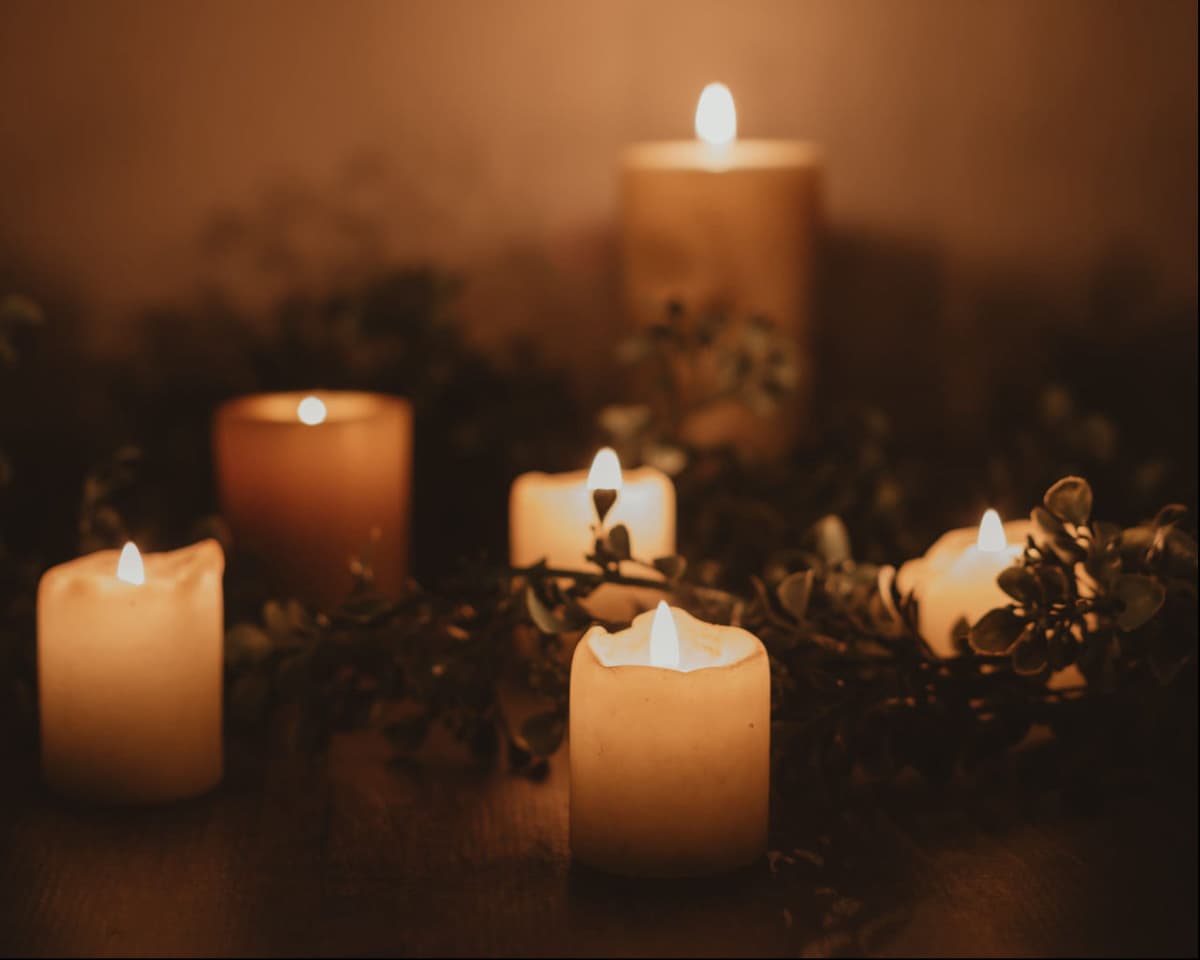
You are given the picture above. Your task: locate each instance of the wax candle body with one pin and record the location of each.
(308, 498)
(670, 768)
(734, 227)
(129, 676)
(550, 518)
(956, 580)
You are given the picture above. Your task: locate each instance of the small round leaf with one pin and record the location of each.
(1071, 500)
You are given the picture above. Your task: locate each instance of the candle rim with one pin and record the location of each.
(743, 153)
(687, 626)
(166, 570)
(570, 477)
(279, 408)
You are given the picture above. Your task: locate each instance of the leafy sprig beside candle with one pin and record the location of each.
(1090, 593)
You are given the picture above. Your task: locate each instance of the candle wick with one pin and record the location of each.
(603, 501)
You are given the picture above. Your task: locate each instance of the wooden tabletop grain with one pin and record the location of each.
(354, 855)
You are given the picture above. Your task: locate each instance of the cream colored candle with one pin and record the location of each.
(724, 222)
(670, 747)
(129, 673)
(309, 482)
(956, 579)
(551, 517)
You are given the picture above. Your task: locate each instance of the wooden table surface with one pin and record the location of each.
(356, 856)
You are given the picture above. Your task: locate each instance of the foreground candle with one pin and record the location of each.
(551, 517)
(956, 579)
(310, 482)
(670, 747)
(724, 222)
(129, 673)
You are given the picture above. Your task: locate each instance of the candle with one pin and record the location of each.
(551, 518)
(725, 222)
(956, 579)
(670, 747)
(311, 482)
(129, 673)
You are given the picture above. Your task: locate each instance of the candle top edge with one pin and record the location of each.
(741, 154)
(702, 646)
(1015, 532)
(569, 478)
(280, 409)
(168, 569)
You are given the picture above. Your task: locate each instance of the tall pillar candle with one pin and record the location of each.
(724, 222)
(670, 747)
(551, 516)
(311, 482)
(129, 673)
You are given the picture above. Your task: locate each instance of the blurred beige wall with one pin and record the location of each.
(1026, 137)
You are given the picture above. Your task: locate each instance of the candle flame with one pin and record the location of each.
(129, 567)
(991, 533)
(606, 471)
(664, 639)
(311, 411)
(716, 116)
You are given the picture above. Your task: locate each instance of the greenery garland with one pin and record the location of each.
(856, 691)
(855, 688)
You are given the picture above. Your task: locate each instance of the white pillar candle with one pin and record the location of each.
(724, 222)
(956, 579)
(309, 482)
(670, 747)
(129, 673)
(551, 516)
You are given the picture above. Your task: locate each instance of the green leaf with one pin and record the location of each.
(618, 542)
(1172, 513)
(543, 733)
(1070, 500)
(831, 540)
(1020, 584)
(278, 623)
(625, 421)
(996, 632)
(1048, 525)
(1030, 654)
(246, 643)
(795, 591)
(671, 567)
(665, 457)
(1141, 598)
(543, 617)
(1054, 584)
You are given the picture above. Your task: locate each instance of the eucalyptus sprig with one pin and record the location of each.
(1091, 593)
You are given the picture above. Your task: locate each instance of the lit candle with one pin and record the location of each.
(311, 482)
(670, 747)
(551, 517)
(956, 579)
(724, 222)
(129, 673)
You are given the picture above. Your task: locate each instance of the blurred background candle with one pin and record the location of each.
(670, 747)
(552, 515)
(309, 482)
(727, 223)
(129, 673)
(956, 579)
